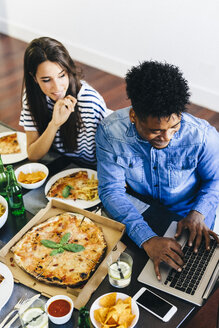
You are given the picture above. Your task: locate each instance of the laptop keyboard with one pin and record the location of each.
(195, 264)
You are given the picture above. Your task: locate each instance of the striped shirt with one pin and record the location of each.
(92, 110)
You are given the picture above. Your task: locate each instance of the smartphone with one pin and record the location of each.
(155, 304)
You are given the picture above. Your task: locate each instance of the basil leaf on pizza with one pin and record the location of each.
(65, 238)
(51, 254)
(66, 191)
(73, 247)
(49, 243)
(63, 245)
(57, 251)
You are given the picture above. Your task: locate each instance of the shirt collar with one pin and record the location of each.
(131, 131)
(50, 101)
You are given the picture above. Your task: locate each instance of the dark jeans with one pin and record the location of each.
(157, 215)
(159, 218)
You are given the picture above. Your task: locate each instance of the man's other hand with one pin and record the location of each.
(194, 222)
(162, 249)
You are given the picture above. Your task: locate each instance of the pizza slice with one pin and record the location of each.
(9, 144)
(1, 278)
(75, 186)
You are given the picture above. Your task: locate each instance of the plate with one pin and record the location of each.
(78, 202)
(95, 305)
(14, 158)
(7, 285)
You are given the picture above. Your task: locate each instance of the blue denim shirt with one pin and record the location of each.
(184, 176)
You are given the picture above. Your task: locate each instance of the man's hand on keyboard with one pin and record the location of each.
(194, 222)
(162, 249)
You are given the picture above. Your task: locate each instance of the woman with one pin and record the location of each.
(59, 109)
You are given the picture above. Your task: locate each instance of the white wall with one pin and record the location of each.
(114, 35)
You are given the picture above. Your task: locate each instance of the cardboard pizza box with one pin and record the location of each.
(112, 230)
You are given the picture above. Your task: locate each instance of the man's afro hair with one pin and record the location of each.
(157, 89)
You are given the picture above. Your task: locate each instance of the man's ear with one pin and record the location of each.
(132, 115)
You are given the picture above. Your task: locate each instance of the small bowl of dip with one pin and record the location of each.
(59, 309)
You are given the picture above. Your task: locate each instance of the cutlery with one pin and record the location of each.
(25, 305)
(95, 211)
(16, 308)
(82, 220)
(8, 325)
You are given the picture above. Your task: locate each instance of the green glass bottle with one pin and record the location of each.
(3, 179)
(14, 193)
(84, 318)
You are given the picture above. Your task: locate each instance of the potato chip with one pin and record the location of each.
(97, 315)
(119, 308)
(112, 318)
(128, 300)
(100, 314)
(108, 300)
(114, 314)
(31, 177)
(125, 318)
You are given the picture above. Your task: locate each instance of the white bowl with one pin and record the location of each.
(4, 217)
(65, 318)
(30, 168)
(96, 305)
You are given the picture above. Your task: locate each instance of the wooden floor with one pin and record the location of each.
(111, 87)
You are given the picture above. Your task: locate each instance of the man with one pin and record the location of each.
(162, 154)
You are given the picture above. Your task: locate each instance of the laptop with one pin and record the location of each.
(198, 276)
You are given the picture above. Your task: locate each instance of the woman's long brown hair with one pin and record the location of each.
(38, 51)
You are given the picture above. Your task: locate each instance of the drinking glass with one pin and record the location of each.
(120, 271)
(34, 316)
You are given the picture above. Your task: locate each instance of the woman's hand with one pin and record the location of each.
(39, 145)
(62, 109)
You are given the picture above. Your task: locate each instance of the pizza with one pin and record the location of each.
(9, 144)
(64, 250)
(75, 186)
(1, 278)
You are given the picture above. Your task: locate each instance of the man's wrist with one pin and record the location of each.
(197, 214)
(146, 243)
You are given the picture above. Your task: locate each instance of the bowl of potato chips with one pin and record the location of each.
(114, 310)
(3, 211)
(31, 175)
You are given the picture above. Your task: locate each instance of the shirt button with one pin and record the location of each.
(130, 165)
(155, 167)
(156, 185)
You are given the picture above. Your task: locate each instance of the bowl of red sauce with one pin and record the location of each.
(59, 309)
